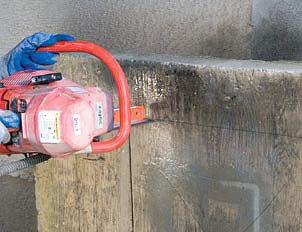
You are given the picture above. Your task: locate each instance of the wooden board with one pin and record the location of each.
(85, 193)
(223, 152)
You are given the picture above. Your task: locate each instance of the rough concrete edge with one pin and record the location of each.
(206, 61)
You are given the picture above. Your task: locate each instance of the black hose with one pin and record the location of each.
(21, 164)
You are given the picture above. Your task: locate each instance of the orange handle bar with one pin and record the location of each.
(121, 84)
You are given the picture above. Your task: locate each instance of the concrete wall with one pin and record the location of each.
(258, 29)
(191, 27)
(277, 30)
(269, 29)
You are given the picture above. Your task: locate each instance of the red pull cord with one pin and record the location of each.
(121, 84)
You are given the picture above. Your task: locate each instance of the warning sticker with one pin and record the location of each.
(49, 128)
(99, 115)
(76, 124)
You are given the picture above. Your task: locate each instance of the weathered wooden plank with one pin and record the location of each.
(224, 152)
(85, 193)
(222, 155)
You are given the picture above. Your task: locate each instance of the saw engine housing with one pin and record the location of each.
(60, 117)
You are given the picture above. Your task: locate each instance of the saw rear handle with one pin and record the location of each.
(121, 84)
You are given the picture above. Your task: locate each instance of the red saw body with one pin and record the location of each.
(60, 117)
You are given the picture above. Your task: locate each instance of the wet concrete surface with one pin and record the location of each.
(18, 207)
(17, 196)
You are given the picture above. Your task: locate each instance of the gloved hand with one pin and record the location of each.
(24, 57)
(4, 134)
(8, 119)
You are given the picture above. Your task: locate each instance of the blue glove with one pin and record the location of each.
(9, 119)
(24, 57)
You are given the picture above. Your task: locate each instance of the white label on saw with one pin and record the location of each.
(49, 127)
(77, 124)
(99, 115)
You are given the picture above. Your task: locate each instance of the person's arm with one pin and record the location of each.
(24, 55)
